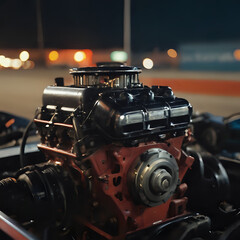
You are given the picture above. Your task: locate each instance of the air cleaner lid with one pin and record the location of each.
(104, 68)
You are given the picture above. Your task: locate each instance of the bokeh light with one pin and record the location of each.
(6, 62)
(24, 56)
(28, 65)
(172, 53)
(119, 56)
(53, 56)
(1, 59)
(236, 54)
(79, 56)
(148, 63)
(16, 63)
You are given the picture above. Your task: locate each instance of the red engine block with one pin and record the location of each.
(108, 183)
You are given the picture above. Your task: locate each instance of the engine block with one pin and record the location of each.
(119, 145)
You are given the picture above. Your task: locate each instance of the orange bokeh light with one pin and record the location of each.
(236, 54)
(172, 53)
(53, 56)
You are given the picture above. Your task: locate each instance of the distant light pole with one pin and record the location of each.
(127, 29)
(40, 38)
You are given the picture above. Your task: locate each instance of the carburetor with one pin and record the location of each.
(114, 159)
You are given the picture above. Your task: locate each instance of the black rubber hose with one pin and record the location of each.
(23, 143)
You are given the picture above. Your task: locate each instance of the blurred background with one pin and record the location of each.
(191, 46)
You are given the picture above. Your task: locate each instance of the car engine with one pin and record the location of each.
(114, 165)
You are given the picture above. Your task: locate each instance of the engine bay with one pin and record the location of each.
(116, 161)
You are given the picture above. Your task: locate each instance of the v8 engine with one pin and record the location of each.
(114, 161)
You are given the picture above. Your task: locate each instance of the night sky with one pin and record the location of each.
(98, 24)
